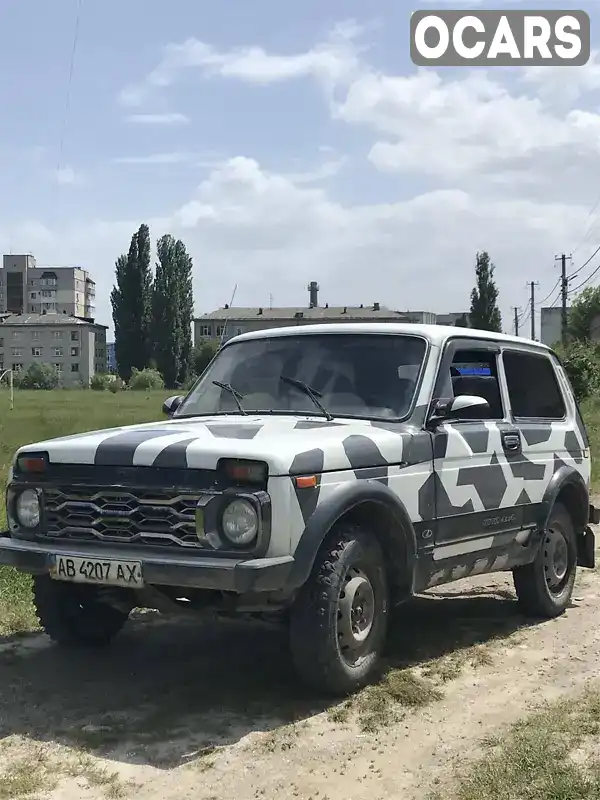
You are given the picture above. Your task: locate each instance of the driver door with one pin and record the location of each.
(476, 512)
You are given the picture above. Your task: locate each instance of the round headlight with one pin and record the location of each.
(240, 522)
(27, 509)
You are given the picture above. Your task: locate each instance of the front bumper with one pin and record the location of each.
(165, 569)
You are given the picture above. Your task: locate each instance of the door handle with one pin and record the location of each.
(511, 442)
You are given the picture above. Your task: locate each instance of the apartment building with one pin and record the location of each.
(26, 288)
(76, 348)
(227, 322)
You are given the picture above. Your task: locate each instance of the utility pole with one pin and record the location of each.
(516, 320)
(532, 285)
(564, 291)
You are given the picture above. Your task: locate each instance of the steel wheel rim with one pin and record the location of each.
(556, 559)
(355, 616)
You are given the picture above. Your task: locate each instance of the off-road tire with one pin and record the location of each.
(349, 556)
(535, 596)
(72, 615)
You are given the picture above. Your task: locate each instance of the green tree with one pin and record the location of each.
(186, 309)
(485, 314)
(462, 321)
(584, 312)
(131, 300)
(166, 326)
(172, 310)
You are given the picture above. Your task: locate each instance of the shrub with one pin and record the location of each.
(99, 382)
(116, 386)
(144, 379)
(38, 376)
(581, 361)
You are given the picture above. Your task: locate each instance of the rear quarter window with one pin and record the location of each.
(533, 387)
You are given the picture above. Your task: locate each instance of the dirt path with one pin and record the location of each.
(178, 710)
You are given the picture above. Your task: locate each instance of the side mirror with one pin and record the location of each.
(462, 407)
(171, 404)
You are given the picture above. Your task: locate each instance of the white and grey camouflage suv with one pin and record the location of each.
(321, 474)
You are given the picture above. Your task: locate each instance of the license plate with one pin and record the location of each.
(94, 570)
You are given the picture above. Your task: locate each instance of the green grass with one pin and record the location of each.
(43, 415)
(552, 754)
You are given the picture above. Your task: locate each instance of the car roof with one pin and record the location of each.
(436, 334)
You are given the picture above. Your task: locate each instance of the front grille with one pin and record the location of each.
(126, 515)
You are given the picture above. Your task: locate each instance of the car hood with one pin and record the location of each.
(285, 443)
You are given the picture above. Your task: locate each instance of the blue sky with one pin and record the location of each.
(291, 142)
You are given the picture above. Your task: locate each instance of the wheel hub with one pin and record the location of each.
(356, 613)
(556, 557)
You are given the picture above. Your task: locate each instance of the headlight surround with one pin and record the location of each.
(240, 522)
(27, 509)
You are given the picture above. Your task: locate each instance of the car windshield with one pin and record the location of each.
(352, 375)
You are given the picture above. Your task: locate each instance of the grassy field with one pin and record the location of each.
(43, 415)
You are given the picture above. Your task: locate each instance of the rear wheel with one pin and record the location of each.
(544, 587)
(339, 621)
(74, 614)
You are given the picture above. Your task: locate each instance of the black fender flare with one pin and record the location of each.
(563, 477)
(343, 499)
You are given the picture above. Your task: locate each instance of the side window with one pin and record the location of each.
(532, 386)
(475, 372)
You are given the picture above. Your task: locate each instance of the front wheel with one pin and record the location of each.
(73, 614)
(338, 623)
(544, 587)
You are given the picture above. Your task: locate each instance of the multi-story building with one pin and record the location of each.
(76, 348)
(26, 288)
(111, 357)
(227, 322)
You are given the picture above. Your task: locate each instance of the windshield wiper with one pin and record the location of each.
(237, 396)
(312, 393)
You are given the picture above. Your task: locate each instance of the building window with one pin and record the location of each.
(57, 351)
(1, 341)
(17, 351)
(58, 367)
(74, 352)
(206, 330)
(32, 296)
(239, 331)
(36, 352)
(35, 334)
(17, 367)
(16, 335)
(57, 334)
(220, 330)
(74, 336)
(74, 367)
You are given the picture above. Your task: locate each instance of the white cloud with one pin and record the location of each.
(330, 62)
(169, 118)
(512, 170)
(66, 176)
(271, 234)
(156, 158)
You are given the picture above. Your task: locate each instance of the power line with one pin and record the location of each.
(69, 88)
(583, 266)
(541, 302)
(589, 216)
(586, 280)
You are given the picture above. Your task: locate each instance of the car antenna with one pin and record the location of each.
(225, 324)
